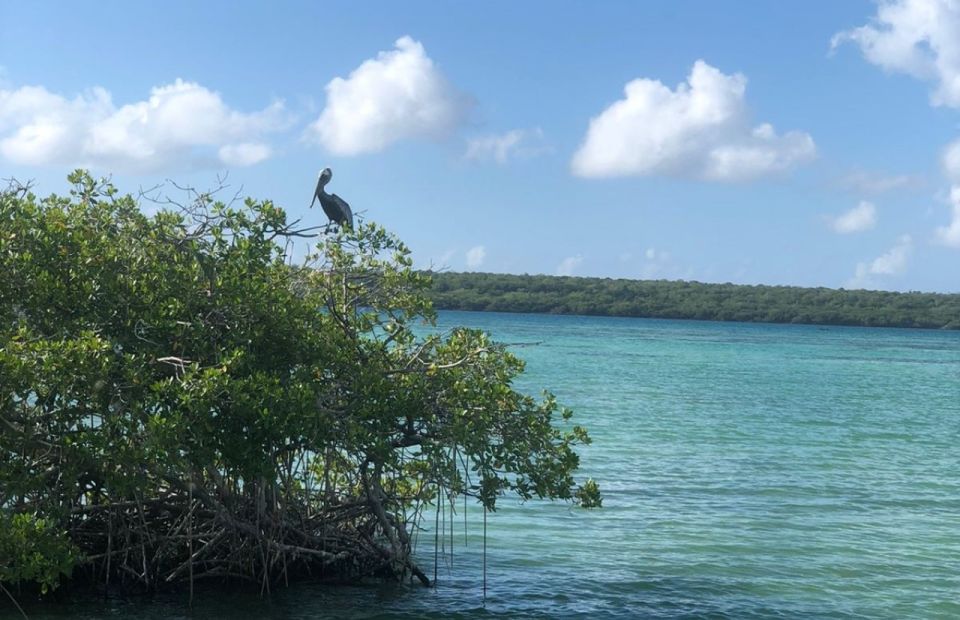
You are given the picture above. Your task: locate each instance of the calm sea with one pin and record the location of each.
(749, 471)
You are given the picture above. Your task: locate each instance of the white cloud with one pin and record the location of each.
(178, 122)
(244, 154)
(398, 95)
(861, 217)
(890, 263)
(949, 235)
(657, 255)
(700, 129)
(442, 261)
(874, 183)
(657, 264)
(920, 38)
(475, 256)
(568, 265)
(951, 161)
(894, 261)
(514, 144)
(654, 263)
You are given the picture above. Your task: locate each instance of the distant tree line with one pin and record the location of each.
(693, 300)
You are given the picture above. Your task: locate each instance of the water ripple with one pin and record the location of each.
(749, 471)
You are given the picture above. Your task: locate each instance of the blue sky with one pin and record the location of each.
(776, 143)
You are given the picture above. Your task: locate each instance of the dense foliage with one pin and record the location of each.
(178, 402)
(693, 300)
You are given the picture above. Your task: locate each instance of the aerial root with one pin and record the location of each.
(176, 539)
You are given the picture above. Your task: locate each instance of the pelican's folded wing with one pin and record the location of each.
(347, 211)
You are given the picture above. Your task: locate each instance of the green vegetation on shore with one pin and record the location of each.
(692, 300)
(177, 402)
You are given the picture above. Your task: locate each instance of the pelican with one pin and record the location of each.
(334, 206)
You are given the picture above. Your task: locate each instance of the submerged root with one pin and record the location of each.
(189, 535)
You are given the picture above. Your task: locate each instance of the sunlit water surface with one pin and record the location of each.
(748, 471)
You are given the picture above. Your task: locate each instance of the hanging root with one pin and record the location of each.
(14, 601)
(188, 535)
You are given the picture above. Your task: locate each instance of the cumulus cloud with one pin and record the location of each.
(700, 129)
(895, 260)
(568, 265)
(951, 161)
(949, 235)
(398, 95)
(657, 264)
(920, 38)
(179, 121)
(475, 256)
(514, 144)
(861, 217)
(442, 261)
(890, 263)
(244, 154)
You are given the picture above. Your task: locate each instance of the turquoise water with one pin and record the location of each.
(749, 471)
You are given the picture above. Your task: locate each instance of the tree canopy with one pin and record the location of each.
(178, 401)
(693, 300)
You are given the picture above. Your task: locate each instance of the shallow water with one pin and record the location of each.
(748, 471)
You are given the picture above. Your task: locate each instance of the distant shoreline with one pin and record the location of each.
(661, 299)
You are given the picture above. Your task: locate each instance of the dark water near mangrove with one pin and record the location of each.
(749, 471)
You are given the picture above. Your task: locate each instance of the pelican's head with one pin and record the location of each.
(325, 175)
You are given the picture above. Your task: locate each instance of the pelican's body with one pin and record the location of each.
(335, 207)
